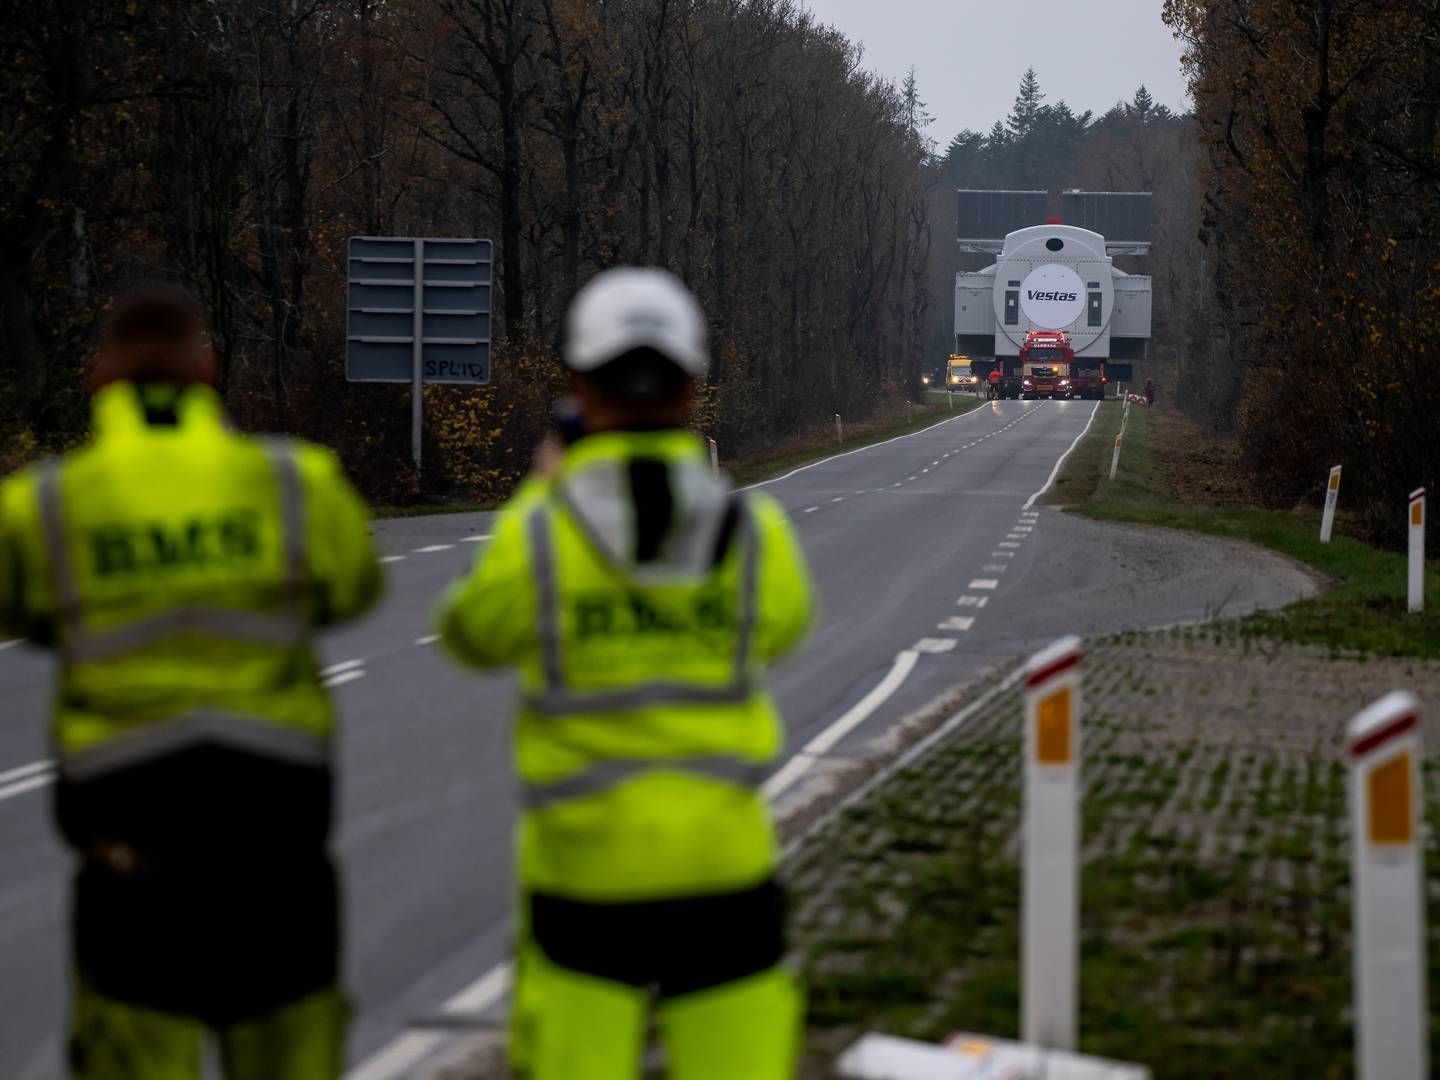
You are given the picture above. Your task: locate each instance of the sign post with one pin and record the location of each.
(418, 311)
(1417, 550)
(1115, 458)
(1387, 884)
(1050, 902)
(1332, 495)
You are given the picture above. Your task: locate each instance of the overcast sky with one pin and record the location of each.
(969, 54)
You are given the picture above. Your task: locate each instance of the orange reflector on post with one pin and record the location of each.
(1391, 802)
(1052, 728)
(1417, 513)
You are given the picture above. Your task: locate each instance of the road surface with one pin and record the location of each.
(931, 559)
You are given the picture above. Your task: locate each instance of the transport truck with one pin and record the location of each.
(1045, 360)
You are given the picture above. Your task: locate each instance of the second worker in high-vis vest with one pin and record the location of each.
(178, 570)
(642, 599)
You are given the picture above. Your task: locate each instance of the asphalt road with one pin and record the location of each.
(931, 564)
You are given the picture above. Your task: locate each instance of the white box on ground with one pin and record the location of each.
(974, 1057)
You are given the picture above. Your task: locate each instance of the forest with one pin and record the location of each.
(233, 146)
(1318, 124)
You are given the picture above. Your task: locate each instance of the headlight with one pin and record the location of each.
(1064, 382)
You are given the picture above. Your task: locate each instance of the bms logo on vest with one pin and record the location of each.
(1052, 296)
(609, 614)
(151, 547)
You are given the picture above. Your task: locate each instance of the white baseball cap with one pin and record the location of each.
(634, 307)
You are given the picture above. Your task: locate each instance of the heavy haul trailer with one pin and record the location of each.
(1055, 277)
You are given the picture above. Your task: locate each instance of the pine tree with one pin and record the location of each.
(916, 116)
(1027, 105)
(1143, 107)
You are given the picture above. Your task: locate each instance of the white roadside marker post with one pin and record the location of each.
(950, 395)
(1387, 882)
(839, 429)
(1115, 458)
(1417, 550)
(1050, 901)
(714, 456)
(1332, 495)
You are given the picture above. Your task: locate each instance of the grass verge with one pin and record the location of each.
(1173, 474)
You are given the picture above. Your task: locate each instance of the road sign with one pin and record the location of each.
(418, 311)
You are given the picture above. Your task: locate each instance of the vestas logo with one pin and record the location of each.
(1052, 296)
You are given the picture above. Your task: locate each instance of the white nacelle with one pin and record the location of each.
(1053, 277)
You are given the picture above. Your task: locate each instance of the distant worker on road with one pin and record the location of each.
(642, 598)
(1149, 391)
(178, 570)
(994, 380)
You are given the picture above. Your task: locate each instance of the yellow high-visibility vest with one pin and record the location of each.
(645, 728)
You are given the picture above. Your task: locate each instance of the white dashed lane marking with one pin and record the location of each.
(984, 583)
(432, 548)
(811, 509)
(994, 568)
(973, 601)
(344, 677)
(428, 639)
(957, 622)
(392, 558)
(1009, 544)
(474, 539)
(934, 645)
(344, 665)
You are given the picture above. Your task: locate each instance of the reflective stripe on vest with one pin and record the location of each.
(81, 645)
(238, 732)
(557, 699)
(606, 774)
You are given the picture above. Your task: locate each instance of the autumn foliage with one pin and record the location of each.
(1320, 334)
(233, 146)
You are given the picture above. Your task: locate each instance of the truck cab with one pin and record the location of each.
(1046, 358)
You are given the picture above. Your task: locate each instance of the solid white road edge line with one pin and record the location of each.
(11, 644)
(861, 450)
(1061, 460)
(22, 786)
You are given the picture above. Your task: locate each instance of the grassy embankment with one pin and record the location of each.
(1174, 474)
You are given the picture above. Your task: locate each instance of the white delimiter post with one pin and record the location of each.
(839, 429)
(1332, 495)
(1387, 882)
(1115, 458)
(714, 456)
(1050, 904)
(1417, 550)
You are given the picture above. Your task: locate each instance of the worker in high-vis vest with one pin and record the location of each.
(641, 599)
(178, 570)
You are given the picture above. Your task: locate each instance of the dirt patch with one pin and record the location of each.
(1202, 467)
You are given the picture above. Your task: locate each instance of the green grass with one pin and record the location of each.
(1361, 611)
(823, 445)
